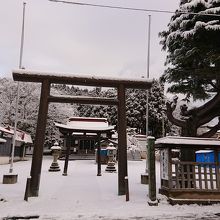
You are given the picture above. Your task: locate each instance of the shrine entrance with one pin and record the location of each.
(75, 133)
(46, 79)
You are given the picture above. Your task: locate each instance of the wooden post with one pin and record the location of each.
(27, 189)
(126, 189)
(169, 168)
(99, 172)
(152, 171)
(216, 152)
(122, 140)
(39, 139)
(68, 144)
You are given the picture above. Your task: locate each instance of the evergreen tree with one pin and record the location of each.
(135, 109)
(193, 62)
(100, 111)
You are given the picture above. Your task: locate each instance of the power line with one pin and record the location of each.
(130, 8)
(109, 6)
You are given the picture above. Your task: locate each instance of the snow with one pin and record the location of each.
(211, 25)
(183, 19)
(188, 141)
(6, 130)
(204, 151)
(83, 195)
(21, 136)
(2, 140)
(56, 74)
(83, 128)
(215, 10)
(55, 148)
(88, 122)
(194, 3)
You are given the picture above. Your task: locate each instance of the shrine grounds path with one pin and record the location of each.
(84, 196)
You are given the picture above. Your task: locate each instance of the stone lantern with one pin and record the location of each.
(56, 150)
(111, 153)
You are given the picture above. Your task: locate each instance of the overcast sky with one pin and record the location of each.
(86, 40)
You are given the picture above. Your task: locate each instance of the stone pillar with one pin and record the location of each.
(152, 171)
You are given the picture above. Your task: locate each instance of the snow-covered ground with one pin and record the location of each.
(83, 195)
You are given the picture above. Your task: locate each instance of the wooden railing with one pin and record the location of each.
(195, 175)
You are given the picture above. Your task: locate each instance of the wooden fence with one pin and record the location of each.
(195, 175)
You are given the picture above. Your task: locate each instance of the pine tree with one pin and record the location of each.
(193, 62)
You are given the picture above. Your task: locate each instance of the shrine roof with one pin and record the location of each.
(172, 141)
(80, 128)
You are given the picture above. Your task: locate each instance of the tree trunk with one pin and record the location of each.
(190, 130)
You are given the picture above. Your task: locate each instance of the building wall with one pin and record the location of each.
(4, 160)
(5, 148)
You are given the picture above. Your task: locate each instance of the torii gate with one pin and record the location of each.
(46, 79)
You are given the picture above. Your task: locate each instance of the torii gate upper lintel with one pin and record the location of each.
(46, 79)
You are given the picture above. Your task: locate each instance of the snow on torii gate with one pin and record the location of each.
(46, 79)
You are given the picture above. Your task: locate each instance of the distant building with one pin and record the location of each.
(23, 140)
(141, 143)
(84, 132)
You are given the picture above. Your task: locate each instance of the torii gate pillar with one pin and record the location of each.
(39, 140)
(122, 141)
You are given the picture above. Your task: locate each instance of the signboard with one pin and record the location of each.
(164, 164)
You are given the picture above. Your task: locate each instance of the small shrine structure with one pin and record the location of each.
(84, 132)
(81, 134)
(185, 182)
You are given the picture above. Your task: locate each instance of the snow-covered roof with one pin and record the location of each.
(6, 130)
(21, 136)
(83, 128)
(87, 122)
(173, 140)
(204, 151)
(2, 140)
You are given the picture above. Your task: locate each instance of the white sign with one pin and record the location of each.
(164, 164)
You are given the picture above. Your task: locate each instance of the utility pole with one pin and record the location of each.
(148, 74)
(18, 91)
(144, 176)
